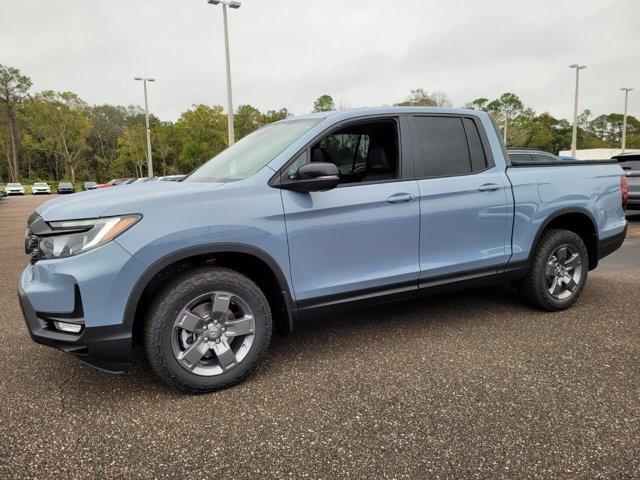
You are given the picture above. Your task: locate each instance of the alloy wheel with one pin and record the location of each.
(213, 333)
(564, 271)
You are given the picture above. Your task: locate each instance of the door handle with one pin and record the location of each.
(400, 198)
(488, 187)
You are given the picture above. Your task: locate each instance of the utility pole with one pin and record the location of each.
(574, 136)
(231, 4)
(626, 91)
(235, 5)
(146, 116)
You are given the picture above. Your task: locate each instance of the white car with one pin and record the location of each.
(40, 187)
(14, 189)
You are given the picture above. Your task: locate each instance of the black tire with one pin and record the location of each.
(165, 308)
(533, 289)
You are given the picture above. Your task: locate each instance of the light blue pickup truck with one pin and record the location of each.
(318, 212)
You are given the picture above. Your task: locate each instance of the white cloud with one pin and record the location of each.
(285, 53)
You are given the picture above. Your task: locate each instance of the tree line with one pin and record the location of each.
(52, 135)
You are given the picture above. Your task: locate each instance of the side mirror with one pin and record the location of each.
(314, 177)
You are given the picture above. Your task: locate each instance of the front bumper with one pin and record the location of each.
(91, 289)
(106, 348)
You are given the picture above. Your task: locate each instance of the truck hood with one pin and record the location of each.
(95, 203)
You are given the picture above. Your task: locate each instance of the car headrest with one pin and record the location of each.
(321, 155)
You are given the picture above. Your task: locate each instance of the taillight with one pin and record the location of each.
(624, 191)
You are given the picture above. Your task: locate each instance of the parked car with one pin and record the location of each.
(14, 189)
(173, 178)
(89, 186)
(110, 183)
(532, 157)
(66, 187)
(40, 187)
(202, 272)
(630, 163)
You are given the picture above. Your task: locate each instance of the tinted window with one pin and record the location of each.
(520, 158)
(540, 157)
(442, 147)
(478, 160)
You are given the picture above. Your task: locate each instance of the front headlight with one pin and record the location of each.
(83, 235)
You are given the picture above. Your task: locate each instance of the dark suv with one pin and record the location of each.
(630, 163)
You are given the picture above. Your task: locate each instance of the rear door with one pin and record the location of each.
(463, 200)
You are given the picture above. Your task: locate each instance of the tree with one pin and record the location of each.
(203, 134)
(276, 115)
(166, 145)
(421, 98)
(247, 119)
(324, 103)
(478, 104)
(132, 150)
(59, 125)
(13, 87)
(505, 108)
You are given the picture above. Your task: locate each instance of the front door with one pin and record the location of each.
(360, 238)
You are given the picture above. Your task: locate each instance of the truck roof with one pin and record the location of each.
(366, 111)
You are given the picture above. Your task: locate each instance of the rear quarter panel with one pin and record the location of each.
(543, 192)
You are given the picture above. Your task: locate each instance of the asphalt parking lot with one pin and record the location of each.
(468, 385)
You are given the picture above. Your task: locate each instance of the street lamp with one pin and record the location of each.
(225, 4)
(626, 91)
(146, 115)
(574, 137)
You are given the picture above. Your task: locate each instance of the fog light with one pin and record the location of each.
(68, 327)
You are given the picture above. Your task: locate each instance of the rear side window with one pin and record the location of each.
(478, 160)
(442, 147)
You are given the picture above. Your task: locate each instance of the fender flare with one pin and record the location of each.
(559, 213)
(142, 283)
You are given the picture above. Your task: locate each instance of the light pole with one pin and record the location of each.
(574, 137)
(146, 116)
(225, 4)
(626, 91)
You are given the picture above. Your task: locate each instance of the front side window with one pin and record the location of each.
(252, 153)
(365, 152)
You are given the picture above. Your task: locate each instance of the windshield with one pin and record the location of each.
(253, 152)
(13, 185)
(39, 184)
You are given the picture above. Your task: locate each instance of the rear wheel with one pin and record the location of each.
(558, 271)
(207, 329)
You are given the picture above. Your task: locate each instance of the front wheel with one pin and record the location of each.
(558, 271)
(207, 329)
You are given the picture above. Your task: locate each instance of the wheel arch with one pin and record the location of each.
(207, 254)
(575, 219)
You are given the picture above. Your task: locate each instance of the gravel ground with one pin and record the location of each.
(468, 385)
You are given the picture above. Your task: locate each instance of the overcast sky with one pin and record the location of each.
(286, 53)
